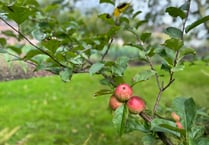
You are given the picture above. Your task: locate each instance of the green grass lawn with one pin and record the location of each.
(50, 112)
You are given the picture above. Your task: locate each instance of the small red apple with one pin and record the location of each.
(175, 116)
(123, 92)
(136, 104)
(179, 125)
(114, 103)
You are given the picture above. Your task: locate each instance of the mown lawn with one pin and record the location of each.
(50, 112)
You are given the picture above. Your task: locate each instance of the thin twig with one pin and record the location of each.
(107, 50)
(35, 46)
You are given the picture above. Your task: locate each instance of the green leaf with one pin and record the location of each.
(31, 54)
(95, 68)
(139, 23)
(187, 51)
(162, 125)
(176, 12)
(196, 23)
(124, 20)
(16, 48)
(142, 55)
(66, 74)
(143, 76)
(203, 141)
(2, 50)
(148, 140)
(120, 66)
(173, 43)
(177, 68)
(103, 92)
(106, 1)
(120, 118)
(136, 14)
(38, 35)
(3, 42)
(189, 113)
(186, 109)
(165, 67)
(51, 45)
(19, 13)
(173, 32)
(9, 33)
(197, 132)
(145, 36)
(134, 123)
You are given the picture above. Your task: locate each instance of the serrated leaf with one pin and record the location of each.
(66, 74)
(196, 23)
(95, 68)
(143, 76)
(173, 43)
(174, 32)
(176, 12)
(103, 92)
(120, 118)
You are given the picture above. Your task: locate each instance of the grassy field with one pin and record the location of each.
(50, 112)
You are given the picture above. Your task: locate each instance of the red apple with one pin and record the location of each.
(136, 104)
(179, 125)
(123, 92)
(114, 103)
(175, 116)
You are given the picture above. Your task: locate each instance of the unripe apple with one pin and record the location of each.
(114, 103)
(123, 92)
(136, 104)
(175, 116)
(179, 125)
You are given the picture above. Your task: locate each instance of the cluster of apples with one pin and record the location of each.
(124, 94)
